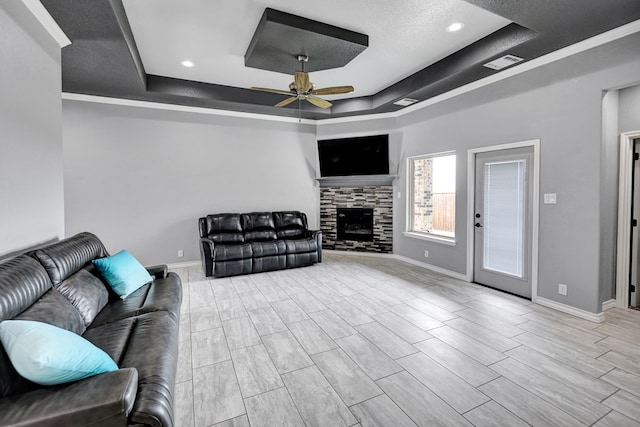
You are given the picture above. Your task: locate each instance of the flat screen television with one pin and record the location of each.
(363, 155)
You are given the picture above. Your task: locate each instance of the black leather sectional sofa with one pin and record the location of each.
(233, 243)
(58, 285)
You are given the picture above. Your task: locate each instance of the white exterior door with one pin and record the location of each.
(503, 220)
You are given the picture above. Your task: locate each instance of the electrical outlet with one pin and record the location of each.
(180, 253)
(562, 289)
(426, 254)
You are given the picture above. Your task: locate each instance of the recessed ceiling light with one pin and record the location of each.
(187, 64)
(456, 26)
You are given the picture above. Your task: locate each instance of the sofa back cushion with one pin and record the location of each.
(22, 282)
(290, 224)
(258, 227)
(86, 291)
(64, 258)
(56, 310)
(222, 228)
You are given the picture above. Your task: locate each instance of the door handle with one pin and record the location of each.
(478, 225)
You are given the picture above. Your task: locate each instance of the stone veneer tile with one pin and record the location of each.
(379, 198)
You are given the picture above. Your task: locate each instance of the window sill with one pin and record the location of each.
(435, 239)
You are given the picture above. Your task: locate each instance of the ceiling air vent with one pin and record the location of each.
(505, 61)
(404, 102)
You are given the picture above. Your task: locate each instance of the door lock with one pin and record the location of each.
(478, 225)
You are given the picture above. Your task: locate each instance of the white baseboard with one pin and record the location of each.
(356, 253)
(434, 268)
(184, 264)
(583, 314)
(607, 305)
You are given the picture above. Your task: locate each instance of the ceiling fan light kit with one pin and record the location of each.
(303, 89)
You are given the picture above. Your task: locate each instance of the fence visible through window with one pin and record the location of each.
(433, 197)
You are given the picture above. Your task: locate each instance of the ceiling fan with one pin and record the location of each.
(303, 90)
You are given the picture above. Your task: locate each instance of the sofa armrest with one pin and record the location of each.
(158, 271)
(317, 235)
(206, 253)
(103, 400)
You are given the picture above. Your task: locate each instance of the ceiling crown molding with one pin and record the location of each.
(48, 23)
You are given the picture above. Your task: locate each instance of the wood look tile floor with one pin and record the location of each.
(362, 341)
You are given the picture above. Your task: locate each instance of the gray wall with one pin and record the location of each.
(31, 187)
(560, 104)
(140, 178)
(629, 109)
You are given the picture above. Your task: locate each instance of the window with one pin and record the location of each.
(432, 196)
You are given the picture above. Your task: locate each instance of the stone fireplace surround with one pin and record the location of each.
(377, 197)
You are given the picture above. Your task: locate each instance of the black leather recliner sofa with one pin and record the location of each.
(57, 284)
(233, 243)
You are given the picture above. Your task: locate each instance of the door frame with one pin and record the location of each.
(625, 198)
(535, 206)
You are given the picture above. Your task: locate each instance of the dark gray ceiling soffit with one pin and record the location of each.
(280, 37)
(103, 59)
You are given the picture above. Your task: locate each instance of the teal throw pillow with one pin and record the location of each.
(48, 355)
(123, 273)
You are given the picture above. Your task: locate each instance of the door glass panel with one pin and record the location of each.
(504, 220)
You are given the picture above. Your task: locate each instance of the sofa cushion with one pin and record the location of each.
(163, 295)
(112, 337)
(298, 246)
(222, 228)
(231, 252)
(123, 273)
(227, 237)
(86, 291)
(48, 355)
(55, 309)
(258, 226)
(290, 224)
(22, 282)
(262, 249)
(64, 258)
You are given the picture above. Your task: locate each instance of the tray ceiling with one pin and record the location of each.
(134, 50)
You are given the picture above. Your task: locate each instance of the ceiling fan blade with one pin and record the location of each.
(266, 89)
(286, 101)
(302, 81)
(333, 90)
(319, 102)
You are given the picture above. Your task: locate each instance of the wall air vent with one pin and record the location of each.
(505, 61)
(404, 102)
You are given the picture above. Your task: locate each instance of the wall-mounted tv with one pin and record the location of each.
(364, 155)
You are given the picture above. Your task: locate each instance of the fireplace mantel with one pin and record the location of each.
(356, 180)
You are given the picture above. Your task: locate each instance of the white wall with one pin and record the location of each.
(141, 178)
(560, 104)
(629, 109)
(31, 187)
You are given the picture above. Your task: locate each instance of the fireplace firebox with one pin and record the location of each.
(355, 224)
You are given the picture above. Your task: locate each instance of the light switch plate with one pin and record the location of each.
(550, 198)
